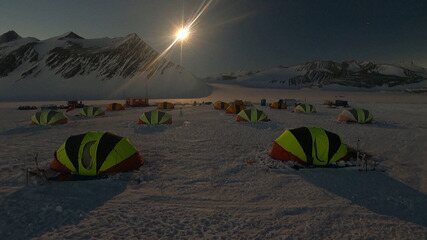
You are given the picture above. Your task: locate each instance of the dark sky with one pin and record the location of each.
(240, 34)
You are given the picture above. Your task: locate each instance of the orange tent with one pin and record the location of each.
(220, 105)
(165, 105)
(278, 105)
(235, 108)
(115, 107)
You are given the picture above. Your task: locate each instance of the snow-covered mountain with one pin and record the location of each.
(69, 66)
(330, 73)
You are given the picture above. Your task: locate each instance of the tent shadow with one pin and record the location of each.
(31, 211)
(147, 129)
(25, 129)
(373, 190)
(264, 125)
(387, 125)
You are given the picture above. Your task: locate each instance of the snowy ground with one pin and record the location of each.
(208, 176)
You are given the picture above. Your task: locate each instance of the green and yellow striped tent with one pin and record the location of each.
(49, 117)
(155, 117)
(89, 111)
(94, 153)
(305, 108)
(309, 146)
(358, 115)
(252, 115)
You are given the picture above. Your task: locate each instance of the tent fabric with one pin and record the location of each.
(278, 105)
(219, 105)
(165, 105)
(305, 108)
(252, 115)
(95, 153)
(115, 107)
(234, 108)
(155, 117)
(309, 146)
(358, 115)
(89, 111)
(239, 102)
(49, 117)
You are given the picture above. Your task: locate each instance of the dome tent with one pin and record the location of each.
(278, 105)
(220, 105)
(252, 115)
(89, 111)
(155, 117)
(165, 105)
(115, 107)
(355, 115)
(309, 146)
(305, 108)
(95, 153)
(49, 117)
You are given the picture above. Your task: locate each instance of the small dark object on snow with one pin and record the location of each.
(341, 103)
(137, 102)
(27, 108)
(75, 104)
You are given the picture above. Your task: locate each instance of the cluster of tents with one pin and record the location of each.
(54, 117)
(243, 114)
(100, 153)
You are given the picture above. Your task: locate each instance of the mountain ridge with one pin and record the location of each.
(124, 60)
(352, 73)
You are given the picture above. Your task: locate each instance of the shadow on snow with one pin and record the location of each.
(32, 211)
(373, 190)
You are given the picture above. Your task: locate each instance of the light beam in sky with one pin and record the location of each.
(181, 34)
(184, 31)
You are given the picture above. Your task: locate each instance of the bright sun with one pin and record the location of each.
(182, 34)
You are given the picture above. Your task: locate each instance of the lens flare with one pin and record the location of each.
(182, 34)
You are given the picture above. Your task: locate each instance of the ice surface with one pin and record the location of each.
(207, 175)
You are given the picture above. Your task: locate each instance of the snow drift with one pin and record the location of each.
(69, 66)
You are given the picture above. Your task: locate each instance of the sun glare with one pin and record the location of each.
(182, 33)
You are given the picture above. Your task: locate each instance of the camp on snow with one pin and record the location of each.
(89, 111)
(155, 117)
(165, 105)
(49, 117)
(95, 153)
(358, 115)
(252, 115)
(115, 107)
(305, 108)
(309, 146)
